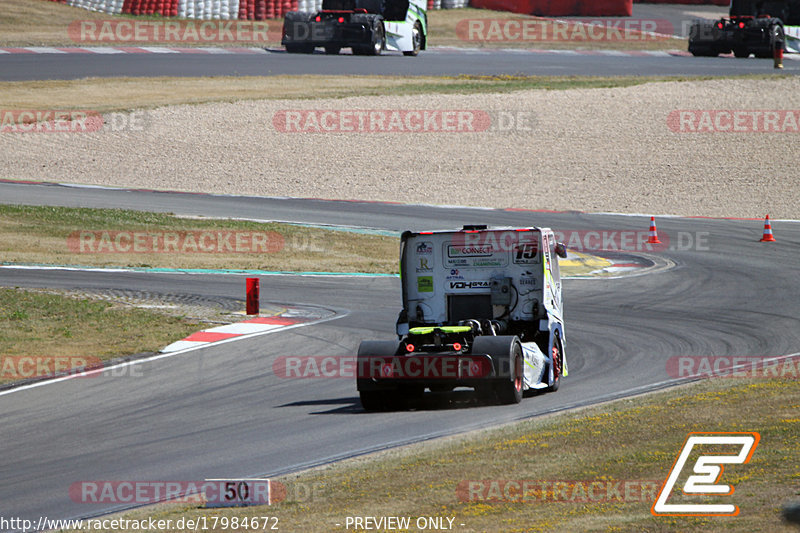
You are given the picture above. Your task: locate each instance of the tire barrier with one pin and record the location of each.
(112, 7)
(563, 8)
(200, 9)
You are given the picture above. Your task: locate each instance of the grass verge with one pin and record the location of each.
(61, 333)
(106, 237)
(631, 441)
(125, 94)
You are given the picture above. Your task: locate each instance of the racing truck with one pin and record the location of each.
(758, 27)
(482, 309)
(368, 27)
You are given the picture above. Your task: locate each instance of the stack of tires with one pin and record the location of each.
(200, 9)
(165, 8)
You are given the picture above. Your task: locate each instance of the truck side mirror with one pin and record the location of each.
(561, 250)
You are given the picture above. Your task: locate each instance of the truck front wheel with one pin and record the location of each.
(416, 39)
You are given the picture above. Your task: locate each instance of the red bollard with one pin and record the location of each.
(778, 56)
(252, 296)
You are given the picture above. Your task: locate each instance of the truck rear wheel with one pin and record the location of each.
(380, 401)
(378, 43)
(506, 354)
(300, 48)
(374, 396)
(510, 391)
(703, 51)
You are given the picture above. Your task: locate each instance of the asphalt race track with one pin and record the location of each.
(220, 412)
(443, 62)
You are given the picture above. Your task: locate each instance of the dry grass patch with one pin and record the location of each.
(59, 330)
(52, 235)
(633, 439)
(125, 94)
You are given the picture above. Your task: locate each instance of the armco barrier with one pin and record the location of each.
(551, 8)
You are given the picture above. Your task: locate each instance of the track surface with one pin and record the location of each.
(220, 412)
(17, 67)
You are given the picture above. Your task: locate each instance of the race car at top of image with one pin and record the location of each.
(482, 309)
(367, 26)
(753, 27)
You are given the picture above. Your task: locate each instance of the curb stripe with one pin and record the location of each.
(252, 326)
(208, 336)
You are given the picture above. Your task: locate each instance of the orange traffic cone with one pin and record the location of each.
(653, 239)
(768, 237)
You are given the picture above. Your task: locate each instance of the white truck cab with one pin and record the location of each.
(487, 299)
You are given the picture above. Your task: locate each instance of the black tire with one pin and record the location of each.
(300, 48)
(373, 397)
(703, 51)
(558, 364)
(378, 43)
(510, 391)
(380, 401)
(332, 50)
(486, 394)
(506, 353)
(741, 53)
(416, 38)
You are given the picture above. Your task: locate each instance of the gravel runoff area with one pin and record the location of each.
(589, 150)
